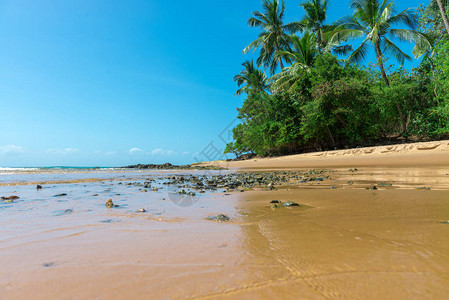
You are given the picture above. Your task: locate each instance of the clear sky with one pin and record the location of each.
(111, 83)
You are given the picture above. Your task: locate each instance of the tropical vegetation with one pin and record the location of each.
(311, 89)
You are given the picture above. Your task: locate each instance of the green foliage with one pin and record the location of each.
(320, 103)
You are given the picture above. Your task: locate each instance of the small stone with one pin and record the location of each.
(109, 204)
(154, 189)
(38, 187)
(13, 197)
(142, 210)
(290, 204)
(219, 218)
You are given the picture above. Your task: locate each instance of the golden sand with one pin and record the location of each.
(343, 242)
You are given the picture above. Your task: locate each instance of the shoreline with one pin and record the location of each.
(400, 155)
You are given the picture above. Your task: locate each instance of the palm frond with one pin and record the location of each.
(360, 53)
(408, 17)
(390, 48)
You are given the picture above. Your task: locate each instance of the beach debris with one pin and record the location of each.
(289, 204)
(273, 206)
(95, 195)
(372, 188)
(110, 204)
(60, 195)
(352, 170)
(275, 201)
(142, 210)
(38, 187)
(219, 218)
(423, 188)
(333, 187)
(350, 182)
(144, 191)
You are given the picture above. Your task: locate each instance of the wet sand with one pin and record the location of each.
(344, 241)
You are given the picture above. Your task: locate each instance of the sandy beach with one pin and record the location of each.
(369, 225)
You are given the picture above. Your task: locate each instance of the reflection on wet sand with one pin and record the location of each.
(344, 241)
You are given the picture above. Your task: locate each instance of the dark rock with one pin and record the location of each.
(38, 187)
(290, 204)
(275, 201)
(13, 197)
(219, 218)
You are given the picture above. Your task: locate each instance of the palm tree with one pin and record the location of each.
(443, 14)
(274, 35)
(314, 20)
(251, 78)
(302, 57)
(373, 21)
(316, 15)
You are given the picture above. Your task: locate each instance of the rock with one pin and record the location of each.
(154, 189)
(219, 218)
(95, 195)
(109, 203)
(290, 204)
(38, 187)
(275, 201)
(144, 191)
(142, 210)
(60, 195)
(13, 197)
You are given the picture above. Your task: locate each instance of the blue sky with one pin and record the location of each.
(111, 83)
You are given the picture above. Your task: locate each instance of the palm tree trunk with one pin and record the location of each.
(384, 75)
(443, 15)
(381, 64)
(281, 64)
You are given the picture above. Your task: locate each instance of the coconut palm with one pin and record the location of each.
(302, 57)
(316, 15)
(443, 14)
(314, 20)
(373, 21)
(251, 78)
(274, 35)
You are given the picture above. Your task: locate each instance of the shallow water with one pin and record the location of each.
(344, 242)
